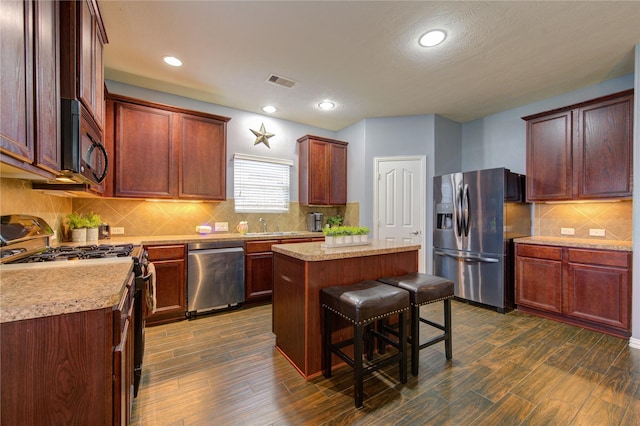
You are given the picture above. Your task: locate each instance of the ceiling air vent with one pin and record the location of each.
(280, 81)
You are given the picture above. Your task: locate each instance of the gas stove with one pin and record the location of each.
(25, 240)
(71, 252)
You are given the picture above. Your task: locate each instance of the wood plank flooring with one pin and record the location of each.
(512, 369)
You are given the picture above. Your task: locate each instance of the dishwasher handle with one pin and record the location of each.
(215, 251)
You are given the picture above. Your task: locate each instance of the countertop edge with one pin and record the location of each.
(578, 243)
(313, 252)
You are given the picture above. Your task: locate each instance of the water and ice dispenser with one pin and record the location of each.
(444, 209)
(444, 216)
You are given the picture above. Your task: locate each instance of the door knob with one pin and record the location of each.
(415, 233)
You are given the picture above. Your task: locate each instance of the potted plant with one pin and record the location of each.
(329, 235)
(348, 234)
(341, 234)
(78, 225)
(93, 223)
(362, 233)
(334, 221)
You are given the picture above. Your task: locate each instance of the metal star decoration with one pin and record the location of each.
(262, 136)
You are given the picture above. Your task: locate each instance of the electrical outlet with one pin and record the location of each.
(567, 231)
(221, 226)
(117, 230)
(596, 232)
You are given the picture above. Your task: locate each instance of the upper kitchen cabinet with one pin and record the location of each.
(82, 40)
(30, 87)
(183, 152)
(582, 151)
(323, 171)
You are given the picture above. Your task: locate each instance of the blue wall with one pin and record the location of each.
(499, 140)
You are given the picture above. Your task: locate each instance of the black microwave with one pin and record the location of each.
(84, 157)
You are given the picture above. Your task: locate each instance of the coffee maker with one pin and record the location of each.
(314, 222)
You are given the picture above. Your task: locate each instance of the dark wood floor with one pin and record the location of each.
(511, 369)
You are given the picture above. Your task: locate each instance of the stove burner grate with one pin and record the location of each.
(80, 252)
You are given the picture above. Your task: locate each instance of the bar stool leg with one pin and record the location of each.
(415, 339)
(402, 347)
(326, 345)
(447, 327)
(357, 365)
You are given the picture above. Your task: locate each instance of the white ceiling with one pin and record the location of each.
(364, 55)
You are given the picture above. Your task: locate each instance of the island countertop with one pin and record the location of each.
(317, 252)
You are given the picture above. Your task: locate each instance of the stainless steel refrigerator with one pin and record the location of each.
(477, 216)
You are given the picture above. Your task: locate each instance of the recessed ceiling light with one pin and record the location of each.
(269, 108)
(173, 61)
(432, 38)
(326, 105)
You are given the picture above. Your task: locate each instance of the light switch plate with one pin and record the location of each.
(596, 232)
(117, 230)
(221, 226)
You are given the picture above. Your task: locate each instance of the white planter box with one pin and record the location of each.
(92, 234)
(79, 235)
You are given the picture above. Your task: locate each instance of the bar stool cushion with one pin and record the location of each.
(423, 288)
(364, 301)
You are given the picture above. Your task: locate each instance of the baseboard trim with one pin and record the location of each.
(634, 343)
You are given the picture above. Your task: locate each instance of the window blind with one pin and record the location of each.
(261, 184)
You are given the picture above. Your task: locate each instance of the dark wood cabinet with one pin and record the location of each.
(322, 171)
(183, 152)
(539, 274)
(586, 287)
(82, 40)
(123, 365)
(30, 87)
(75, 368)
(143, 137)
(171, 283)
(203, 153)
(258, 267)
(583, 151)
(598, 288)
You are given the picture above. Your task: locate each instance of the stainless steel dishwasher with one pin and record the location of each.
(215, 276)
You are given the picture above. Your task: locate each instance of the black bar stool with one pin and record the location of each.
(362, 304)
(425, 289)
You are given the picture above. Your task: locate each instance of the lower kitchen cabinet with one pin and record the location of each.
(585, 287)
(258, 266)
(69, 369)
(171, 283)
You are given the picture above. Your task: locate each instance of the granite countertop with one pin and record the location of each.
(315, 252)
(197, 238)
(41, 290)
(578, 243)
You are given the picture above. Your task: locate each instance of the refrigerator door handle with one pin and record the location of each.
(466, 257)
(465, 209)
(459, 212)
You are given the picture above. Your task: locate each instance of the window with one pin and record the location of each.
(261, 185)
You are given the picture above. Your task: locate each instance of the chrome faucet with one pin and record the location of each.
(264, 225)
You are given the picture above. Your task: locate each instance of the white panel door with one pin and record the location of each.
(399, 205)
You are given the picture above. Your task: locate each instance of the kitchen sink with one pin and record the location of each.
(270, 234)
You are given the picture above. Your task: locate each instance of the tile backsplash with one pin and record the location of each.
(616, 218)
(16, 197)
(180, 218)
(139, 217)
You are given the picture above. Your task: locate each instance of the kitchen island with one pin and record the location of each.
(301, 270)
